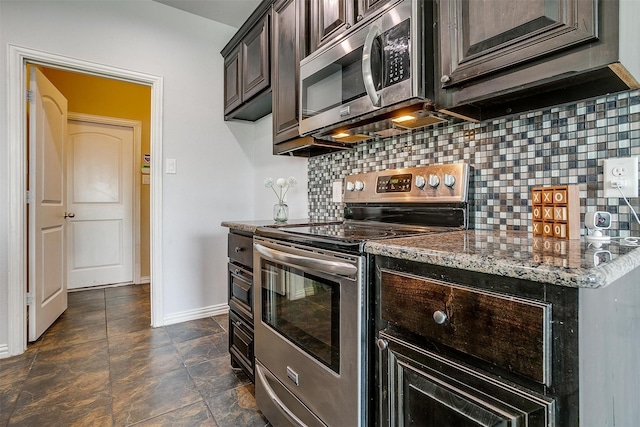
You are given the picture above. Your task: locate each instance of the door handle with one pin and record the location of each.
(69, 215)
(367, 73)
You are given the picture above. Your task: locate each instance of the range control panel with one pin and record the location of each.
(421, 184)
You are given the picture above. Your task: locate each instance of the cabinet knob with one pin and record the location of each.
(237, 271)
(348, 26)
(359, 18)
(445, 79)
(238, 249)
(382, 344)
(238, 323)
(440, 317)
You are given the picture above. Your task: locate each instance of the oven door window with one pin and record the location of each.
(303, 308)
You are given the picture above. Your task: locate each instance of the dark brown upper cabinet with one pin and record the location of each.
(289, 19)
(505, 56)
(247, 68)
(287, 50)
(330, 18)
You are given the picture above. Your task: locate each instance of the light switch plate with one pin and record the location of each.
(171, 166)
(337, 192)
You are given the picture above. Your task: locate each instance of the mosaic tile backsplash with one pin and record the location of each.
(562, 145)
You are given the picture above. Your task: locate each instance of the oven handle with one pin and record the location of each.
(367, 74)
(334, 267)
(276, 400)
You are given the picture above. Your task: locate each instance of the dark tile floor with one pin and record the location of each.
(101, 364)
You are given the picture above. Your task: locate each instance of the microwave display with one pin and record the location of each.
(341, 81)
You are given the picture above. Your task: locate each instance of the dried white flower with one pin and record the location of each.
(283, 184)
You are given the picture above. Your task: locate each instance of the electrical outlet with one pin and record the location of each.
(622, 171)
(337, 192)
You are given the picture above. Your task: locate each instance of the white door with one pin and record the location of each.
(47, 135)
(100, 195)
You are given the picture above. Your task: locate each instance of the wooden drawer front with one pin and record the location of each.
(240, 284)
(240, 249)
(241, 342)
(509, 332)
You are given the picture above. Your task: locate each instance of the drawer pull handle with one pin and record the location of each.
(440, 317)
(382, 344)
(238, 249)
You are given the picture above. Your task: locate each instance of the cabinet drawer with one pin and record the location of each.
(240, 284)
(510, 332)
(240, 249)
(241, 342)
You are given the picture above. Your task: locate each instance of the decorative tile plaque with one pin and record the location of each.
(555, 211)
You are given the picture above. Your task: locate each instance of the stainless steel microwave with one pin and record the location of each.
(376, 80)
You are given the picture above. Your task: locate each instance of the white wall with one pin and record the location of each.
(218, 163)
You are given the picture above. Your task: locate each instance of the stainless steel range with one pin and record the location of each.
(313, 318)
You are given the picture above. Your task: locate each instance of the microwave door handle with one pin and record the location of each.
(335, 267)
(367, 74)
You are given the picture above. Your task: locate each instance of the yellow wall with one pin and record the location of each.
(112, 98)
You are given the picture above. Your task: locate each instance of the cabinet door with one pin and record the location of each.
(418, 387)
(286, 76)
(328, 19)
(255, 60)
(366, 7)
(232, 81)
(479, 38)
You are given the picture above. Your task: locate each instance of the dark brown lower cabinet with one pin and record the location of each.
(240, 284)
(458, 348)
(422, 388)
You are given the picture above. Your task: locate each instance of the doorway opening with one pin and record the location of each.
(19, 57)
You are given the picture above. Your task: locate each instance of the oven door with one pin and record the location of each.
(373, 68)
(308, 333)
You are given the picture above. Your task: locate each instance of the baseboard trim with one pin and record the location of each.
(4, 351)
(145, 280)
(200, 313)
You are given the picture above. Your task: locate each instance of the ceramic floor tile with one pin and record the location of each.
(84, 334)
(216, 376)
(56, 397)
(187, 331)
(148, 397)
(201, 349)
(236, 407)
(101, 364)
(196, 415)
(126, 325)
(139, 340)
(131, 366)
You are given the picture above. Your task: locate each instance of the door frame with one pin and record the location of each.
(136, 126)
(17, 164)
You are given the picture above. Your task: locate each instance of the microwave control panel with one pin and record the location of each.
(396, 45)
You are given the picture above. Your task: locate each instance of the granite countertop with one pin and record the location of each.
(250, 226)
(573, 263)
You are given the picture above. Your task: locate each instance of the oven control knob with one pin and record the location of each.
(382, 344)
(350, 186)
(434, 181)
(449, 180)
(359, 185)
(420, 182)
(439, 316)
